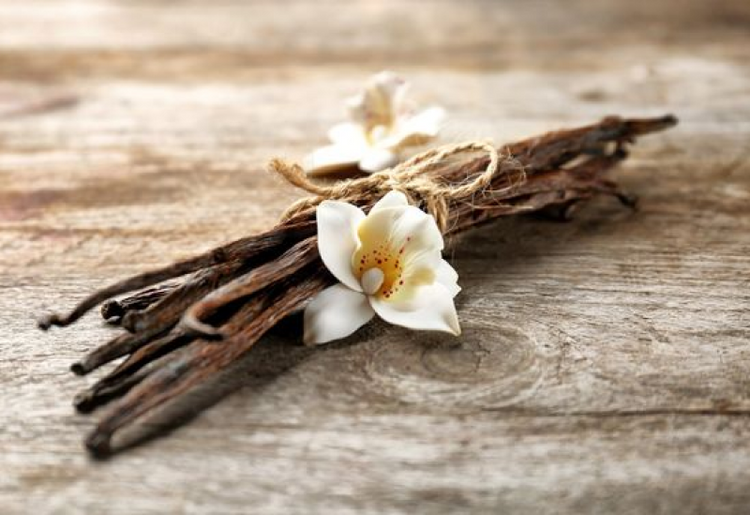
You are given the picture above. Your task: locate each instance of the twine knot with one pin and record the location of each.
(412, 177)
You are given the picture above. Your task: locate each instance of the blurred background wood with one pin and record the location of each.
(604, 367)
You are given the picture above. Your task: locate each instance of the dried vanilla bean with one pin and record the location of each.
(291, 262)
(264, 278)
(167, 312)
(119, 379)
(244, 248)
(114, 310)
(105, 391)
(190, 365)
(158, 318)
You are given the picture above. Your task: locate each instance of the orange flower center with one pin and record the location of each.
(388, 260)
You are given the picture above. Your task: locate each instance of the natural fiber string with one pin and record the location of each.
(410, 177)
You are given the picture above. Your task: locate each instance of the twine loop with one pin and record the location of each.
(412, 177)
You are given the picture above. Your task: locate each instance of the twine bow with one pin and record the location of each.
(411, 177)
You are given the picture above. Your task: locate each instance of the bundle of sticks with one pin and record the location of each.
(237, 292)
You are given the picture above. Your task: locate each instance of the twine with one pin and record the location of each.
(410, 177)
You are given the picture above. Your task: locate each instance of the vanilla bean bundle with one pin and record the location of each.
(238, 291)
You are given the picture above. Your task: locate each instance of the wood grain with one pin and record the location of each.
(604, 367)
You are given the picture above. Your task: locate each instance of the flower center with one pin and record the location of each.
(372, 280)
(375, 133)
(383, 264)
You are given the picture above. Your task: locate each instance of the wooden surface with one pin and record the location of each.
(604, 366)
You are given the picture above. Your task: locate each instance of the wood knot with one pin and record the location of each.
(489, 366)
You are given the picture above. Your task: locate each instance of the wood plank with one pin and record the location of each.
(604, 366)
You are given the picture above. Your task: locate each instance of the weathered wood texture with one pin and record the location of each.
(605, 365)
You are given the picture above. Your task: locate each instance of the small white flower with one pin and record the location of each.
(383, 125)
(388, 262)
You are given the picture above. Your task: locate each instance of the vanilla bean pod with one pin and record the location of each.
(291, 262)
(556, 171)
(199, 360)
(118, 380)
(556, 190)
(142, 362)
(541, 184)
(554, 149)
(548, 152)
(106, 390)
(243, 248)
(113, 310)
(143, 356)
(167, 312)
(158, 318)
(179, 371)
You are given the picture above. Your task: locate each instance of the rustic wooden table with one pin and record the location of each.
(605, 365)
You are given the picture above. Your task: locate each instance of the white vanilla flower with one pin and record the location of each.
(388, 262)
(383, 125)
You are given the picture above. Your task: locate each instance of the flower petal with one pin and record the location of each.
(377, 159)
(430, 308)
(416, 130)
(427, 122)
(377, 228)
(376, 104)
(388, 84)
(332, 158)
(448, 277)
(338, 240)
(391, 199)
(405, 227)
(335, 313)
(420, 268)
(348, 134)
(416, 231)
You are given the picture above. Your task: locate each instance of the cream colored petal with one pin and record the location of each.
(338, 240)
(377, 159)
(448, 277)
(416, 130)
(358, 109)
(331, 158)
(377, 228)
(421, 268)
(424, 267)
(348, 134)
(430, 308)
(402, 105)
(383, 93)
(405, 230)
(375, 105)
(377, 134)
(427, 122)
(389, 84)
(335, 313)
(416, 231)
(391, 199)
